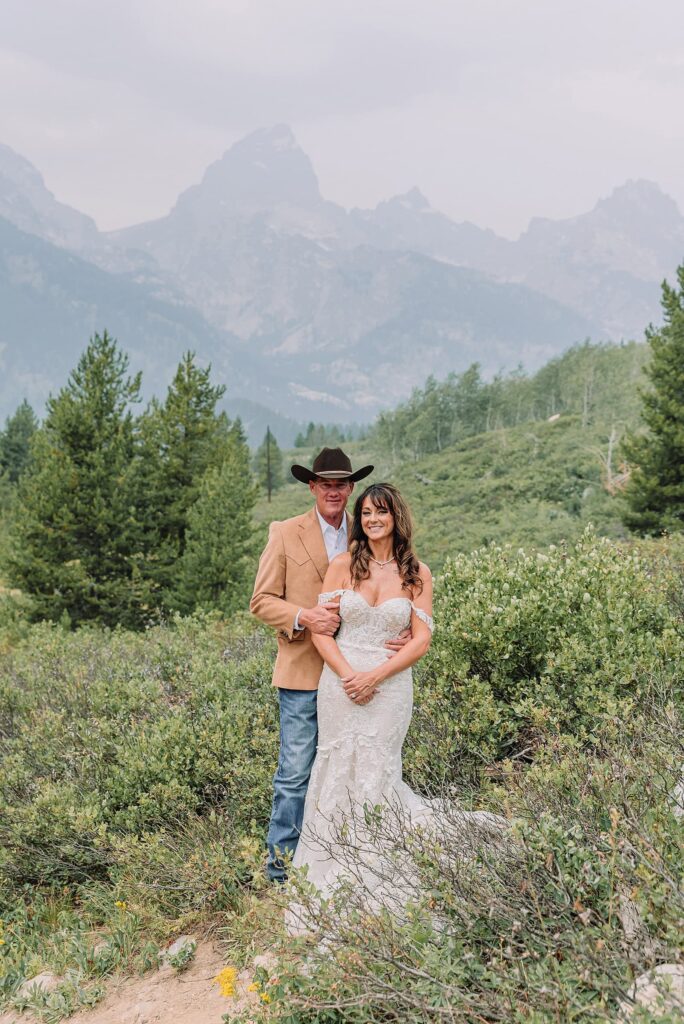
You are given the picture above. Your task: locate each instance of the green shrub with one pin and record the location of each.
(528, 646)
(105, 734)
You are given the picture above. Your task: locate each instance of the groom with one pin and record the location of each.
(288, 582)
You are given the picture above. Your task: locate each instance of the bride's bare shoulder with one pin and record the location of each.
(338, 571)
(340, 564)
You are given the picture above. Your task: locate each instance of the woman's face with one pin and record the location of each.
(377, 521)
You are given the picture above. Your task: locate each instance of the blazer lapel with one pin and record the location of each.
(312, 539)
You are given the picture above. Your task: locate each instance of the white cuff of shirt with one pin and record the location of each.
(297, 628)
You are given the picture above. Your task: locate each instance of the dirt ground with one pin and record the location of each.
(192, 997)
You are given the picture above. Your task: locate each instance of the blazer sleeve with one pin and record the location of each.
(268, 600)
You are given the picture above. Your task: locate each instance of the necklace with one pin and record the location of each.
(378, 562)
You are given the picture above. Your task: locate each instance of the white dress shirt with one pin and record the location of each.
(335, 540)
(336, 543)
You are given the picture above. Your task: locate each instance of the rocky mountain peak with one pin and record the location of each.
(264, 170)
(413, 200)
(638, 210)
(18, 171)
(640, 198)
(26, 202)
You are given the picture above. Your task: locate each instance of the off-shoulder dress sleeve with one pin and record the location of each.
(329, 595)
(424, 617)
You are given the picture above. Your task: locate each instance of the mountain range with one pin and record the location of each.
(305, 308)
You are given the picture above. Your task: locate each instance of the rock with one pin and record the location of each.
(634, 929)
(265, 960)
(182, 943)
(660, 991)
(630, 918)
(44, 982)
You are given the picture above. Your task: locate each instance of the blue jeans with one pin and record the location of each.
(298, 739)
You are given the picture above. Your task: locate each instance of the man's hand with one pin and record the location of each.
(323, 618)
(396, 645)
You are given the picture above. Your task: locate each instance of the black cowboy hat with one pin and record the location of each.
(330, 464)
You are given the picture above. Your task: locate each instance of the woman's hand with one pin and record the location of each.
(361, 686)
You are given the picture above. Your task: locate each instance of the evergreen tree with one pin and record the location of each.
(319, 434)
(76, 536)
(15, 441)
(268, 464)
(215, 568)
(180, 440)
(655, 493)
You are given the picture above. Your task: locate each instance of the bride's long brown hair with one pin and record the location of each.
(385, 496)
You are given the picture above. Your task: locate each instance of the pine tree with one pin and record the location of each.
(215, 567)
(268, 464)
(15, 441)
(181, 439)
(655, 493)
(76, 536)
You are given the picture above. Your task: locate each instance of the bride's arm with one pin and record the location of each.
(363, 683)
(335, 577)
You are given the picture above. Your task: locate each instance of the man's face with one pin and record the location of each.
(331, 496)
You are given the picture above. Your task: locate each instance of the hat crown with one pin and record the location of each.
(330, 460)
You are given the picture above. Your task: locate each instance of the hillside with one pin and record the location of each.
(531, 485)
(528, 486)
(52, 301)
(532, 479)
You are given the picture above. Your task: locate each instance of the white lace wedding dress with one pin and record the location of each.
(358, 762)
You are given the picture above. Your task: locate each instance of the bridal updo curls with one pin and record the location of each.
(385, 496)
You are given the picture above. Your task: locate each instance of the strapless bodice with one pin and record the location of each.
(370, 626)
(365, 625)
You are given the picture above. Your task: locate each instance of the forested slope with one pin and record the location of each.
(523, 459)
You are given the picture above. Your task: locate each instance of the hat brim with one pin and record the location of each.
(305, 475)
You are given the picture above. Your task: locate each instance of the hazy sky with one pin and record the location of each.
(498, 110)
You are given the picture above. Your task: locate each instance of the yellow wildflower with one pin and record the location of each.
(265, 998)
(121, 904)
(2, 942)
(226, 980)
(254, 987)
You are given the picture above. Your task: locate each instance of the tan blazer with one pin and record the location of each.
(290, 575)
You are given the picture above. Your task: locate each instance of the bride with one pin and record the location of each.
(365, 698)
